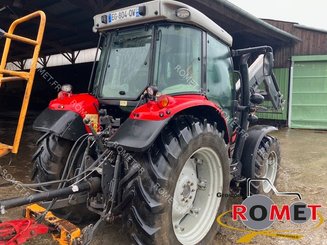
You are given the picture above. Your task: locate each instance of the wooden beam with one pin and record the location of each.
(58, 46)
(87, 5)
(110, 5)
(95, 6)
(52, 20)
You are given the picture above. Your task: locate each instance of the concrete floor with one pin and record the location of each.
(303, 169)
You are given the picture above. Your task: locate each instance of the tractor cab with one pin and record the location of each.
(163, 44)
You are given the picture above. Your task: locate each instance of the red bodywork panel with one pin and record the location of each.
(83, 104)
(80, 103)
(152, 111)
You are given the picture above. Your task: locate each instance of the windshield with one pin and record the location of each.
(124, 67)
(127, 67)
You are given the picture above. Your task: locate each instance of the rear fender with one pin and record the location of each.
(138, 135)
(146, 122)
(64, 116)
(65, 124)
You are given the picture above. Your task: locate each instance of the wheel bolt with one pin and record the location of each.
(186, 201)
(192, 184)
(193, 190)
(190, 197)
(178, 227)
(198, 161)
(188, 182)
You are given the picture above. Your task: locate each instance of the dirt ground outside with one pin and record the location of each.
(303, 169)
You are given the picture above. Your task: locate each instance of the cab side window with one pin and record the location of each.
(178, 59)
(219, 74)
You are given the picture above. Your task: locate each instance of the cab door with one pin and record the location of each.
(219, 74)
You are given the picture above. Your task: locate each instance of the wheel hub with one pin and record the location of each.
(187, 186)
(195, 203)
(189, 191)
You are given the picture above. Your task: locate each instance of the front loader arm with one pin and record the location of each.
(257, 77)
(247, 88)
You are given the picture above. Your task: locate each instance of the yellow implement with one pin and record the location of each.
(20, 75)
(64, 232)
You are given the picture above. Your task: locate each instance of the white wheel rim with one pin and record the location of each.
(195, 203)
(270, 166)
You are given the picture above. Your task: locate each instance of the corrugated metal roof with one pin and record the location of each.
(69, 23)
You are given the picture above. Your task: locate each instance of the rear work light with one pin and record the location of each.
(67, 88)
(66, 91)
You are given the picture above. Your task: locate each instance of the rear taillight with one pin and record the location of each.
(163, 101)
(62, 95)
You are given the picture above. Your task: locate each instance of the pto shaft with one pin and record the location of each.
(92, 185)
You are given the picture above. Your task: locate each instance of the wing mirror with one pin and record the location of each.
(268, 64)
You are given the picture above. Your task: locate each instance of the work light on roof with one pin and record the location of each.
(183, 13)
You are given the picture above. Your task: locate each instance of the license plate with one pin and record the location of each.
(123, 15)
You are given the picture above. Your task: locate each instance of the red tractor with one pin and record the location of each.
(162, 137)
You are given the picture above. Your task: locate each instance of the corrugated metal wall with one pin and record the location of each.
(309, 92)
(282, 75)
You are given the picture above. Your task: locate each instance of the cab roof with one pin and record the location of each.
(158, 10)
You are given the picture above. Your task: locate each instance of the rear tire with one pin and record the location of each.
(150, 215)
(50, 158)
(49, 162)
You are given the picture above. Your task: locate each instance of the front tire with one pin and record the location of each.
(176, 193)
(267, 163)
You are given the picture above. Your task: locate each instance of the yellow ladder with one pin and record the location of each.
(20, 75)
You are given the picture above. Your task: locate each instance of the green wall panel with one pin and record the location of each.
(309, 92)
(282, 75)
